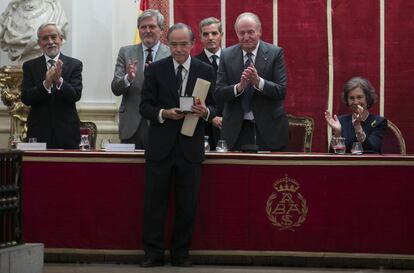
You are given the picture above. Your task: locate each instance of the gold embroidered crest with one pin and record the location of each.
(286, 208)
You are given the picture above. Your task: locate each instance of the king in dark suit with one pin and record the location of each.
(51, 86)
(251, 83)
(169, 153)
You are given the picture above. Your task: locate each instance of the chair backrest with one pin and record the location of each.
(300, 134)
(89, 128)
(393, 141)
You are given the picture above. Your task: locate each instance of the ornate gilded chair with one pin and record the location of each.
(300, 133)
(393, 142)
(89, 128)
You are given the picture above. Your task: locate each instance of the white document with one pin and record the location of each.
(119, 147)
(35, 146)
(190, 122)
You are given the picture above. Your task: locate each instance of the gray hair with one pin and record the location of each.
(181, 26)
(209, 21)
(362, 83)
(44, 25)
(248, 15)
(151, 13)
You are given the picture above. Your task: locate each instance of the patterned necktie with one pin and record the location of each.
(214, 62)
(149, 56)
(51, 63)
(247, 94)
(148, 60)
(249, 60)
(179, 78)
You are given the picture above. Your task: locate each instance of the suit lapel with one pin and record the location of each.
(170, 78)
(42, 68)
(261, 58)
(206, 59)
(237, 62)
(65, 64)
(162, 50)
(191, 78)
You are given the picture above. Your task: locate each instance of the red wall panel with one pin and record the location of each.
(356, 45)
(192, 12)
(303, 35)
(399, 67)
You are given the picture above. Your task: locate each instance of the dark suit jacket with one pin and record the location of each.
(53, 117)
(211, 131)
(203, 57)
(160, 91)
(374, 128)
(267, 106)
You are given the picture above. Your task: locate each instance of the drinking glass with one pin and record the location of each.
(338, 145)
(84, 143)
(104, 143)
(206, 144)
(357, 148)
(32, 140)
(221, 146)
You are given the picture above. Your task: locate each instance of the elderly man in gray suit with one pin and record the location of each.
(251, 83)
(129, 76)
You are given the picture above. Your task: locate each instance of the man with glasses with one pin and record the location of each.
(171, 155)
(129, 76)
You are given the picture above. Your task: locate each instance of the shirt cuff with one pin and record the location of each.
(61, 83)
(49, 90)
(208, 115)
(126, 81)
(261, 85)
(160, 119)
(235, 91)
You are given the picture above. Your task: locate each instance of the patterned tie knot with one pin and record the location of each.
(249, 60)
(51, 62)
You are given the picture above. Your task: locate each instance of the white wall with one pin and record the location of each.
(97, 29)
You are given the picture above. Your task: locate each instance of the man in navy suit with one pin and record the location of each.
(51, 86)
(211, 34)
(169, 153)
(251, 83)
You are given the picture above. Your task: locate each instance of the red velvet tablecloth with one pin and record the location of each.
(269, 202)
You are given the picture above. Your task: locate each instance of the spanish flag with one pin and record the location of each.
(143, 5)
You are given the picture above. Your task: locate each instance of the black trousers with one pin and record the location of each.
(161, 175)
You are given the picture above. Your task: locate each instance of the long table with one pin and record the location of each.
(266, 202)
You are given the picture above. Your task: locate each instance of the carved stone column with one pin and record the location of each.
(10, 81)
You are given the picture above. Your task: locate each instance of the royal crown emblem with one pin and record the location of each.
(286, 208)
